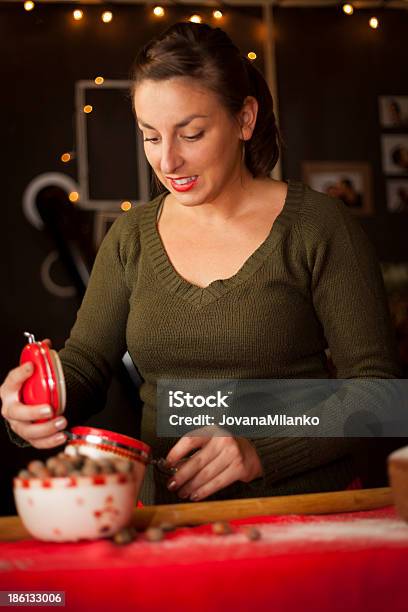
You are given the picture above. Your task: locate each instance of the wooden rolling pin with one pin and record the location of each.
(195, 513)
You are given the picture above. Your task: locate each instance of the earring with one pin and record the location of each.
(243, 151)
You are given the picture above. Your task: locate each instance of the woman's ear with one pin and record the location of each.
(247, 117)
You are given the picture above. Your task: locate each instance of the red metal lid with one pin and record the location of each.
(112, 436)
(46, 385)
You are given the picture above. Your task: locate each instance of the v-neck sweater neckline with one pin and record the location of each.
(201, 296)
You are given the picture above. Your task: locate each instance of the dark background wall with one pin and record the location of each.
(330, 71)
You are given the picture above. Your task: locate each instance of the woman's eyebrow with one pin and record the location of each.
(180, 124)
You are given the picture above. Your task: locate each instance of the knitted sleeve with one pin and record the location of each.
(97, 338)
(97, 341)
(349, 299)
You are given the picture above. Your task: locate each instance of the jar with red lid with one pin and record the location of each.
(101, 443)
(98, 443)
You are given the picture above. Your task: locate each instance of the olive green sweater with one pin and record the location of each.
(313, 283)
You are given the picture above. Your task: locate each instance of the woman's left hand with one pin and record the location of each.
(220, 461)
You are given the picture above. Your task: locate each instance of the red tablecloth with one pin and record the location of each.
(348, 562)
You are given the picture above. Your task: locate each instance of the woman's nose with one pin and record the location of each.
(170, 159)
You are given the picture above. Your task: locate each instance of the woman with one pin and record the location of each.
(227, 274)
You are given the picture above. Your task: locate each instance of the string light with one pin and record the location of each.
(348, 9)
(107, 17)
(195, 19)
(99, 80)
(78, 14)
(251, 55)
(88, 108)
(28, 5)
(217, 14)
(158, 11)
(73, 196)
(126, 205)
(66, 157)
(373, 23)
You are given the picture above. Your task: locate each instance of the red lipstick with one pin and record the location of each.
(185, 187)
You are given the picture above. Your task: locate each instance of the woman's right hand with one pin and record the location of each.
(21, 416)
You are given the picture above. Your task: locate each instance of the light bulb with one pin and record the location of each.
(66, 157)
(99, 80)
(251, 55)
(73, 196)
(348, 9)
(126, 205)
(217, 14)
(158, 11)
(77, 14)
(373, 23)
(107, 16)
(195, 19)
(28, 5)
(88, 108)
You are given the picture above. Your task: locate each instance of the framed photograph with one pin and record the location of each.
(395, 153)
(102, 223)
(348, 181)
(393, 111)
(397, 195)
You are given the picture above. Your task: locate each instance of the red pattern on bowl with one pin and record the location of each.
(76, 508)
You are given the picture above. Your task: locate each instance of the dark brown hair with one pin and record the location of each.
(208, 54)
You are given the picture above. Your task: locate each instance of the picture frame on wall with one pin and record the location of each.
(395, 154)
(106, 180)
(349, 181)
(393, 112)
(397, 195)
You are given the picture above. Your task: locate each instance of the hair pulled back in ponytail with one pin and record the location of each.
(208, 55)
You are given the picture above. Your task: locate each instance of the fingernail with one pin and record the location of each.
(61, 437)
(171, 485)
(46, 411)
(194, 497)
(59, 423)
(28, 367)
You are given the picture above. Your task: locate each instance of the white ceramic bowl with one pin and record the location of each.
(75, 508)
